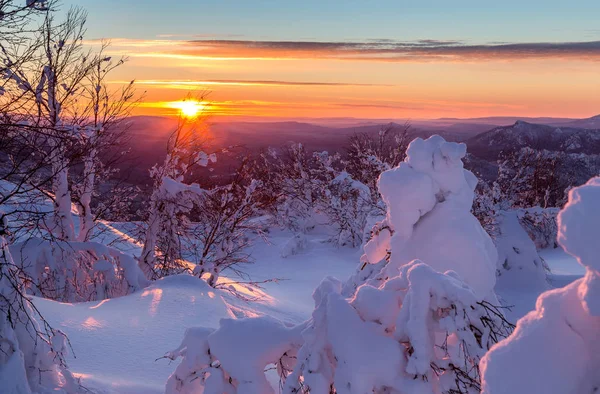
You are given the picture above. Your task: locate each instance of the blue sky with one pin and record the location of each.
(473, 21)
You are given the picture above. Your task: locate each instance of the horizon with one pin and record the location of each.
(340, 59)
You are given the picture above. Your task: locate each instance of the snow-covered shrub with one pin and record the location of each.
(485, 208)
(288, 186)
(367, 156)
(309, 187)
(222, 234)
(541, 225)
(528, 178)
(294, 245)
(556, 347)
(233, 358)
(347, 204)
(429, 198)
(76, 271)
(519, 264)
(171, 200)
(32, 354)
(419, 331)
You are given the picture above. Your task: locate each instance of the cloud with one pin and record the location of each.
(174, 84)
(389, 50)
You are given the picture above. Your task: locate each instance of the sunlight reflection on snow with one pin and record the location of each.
(156, 297)
(91, 324)
(100, 303)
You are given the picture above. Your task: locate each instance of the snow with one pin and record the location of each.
(117, 341)
(555, 348)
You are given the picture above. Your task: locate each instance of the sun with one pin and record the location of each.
(189, 108)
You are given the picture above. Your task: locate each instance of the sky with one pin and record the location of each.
(363, 59)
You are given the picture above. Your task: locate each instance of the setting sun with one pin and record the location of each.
(188, 108)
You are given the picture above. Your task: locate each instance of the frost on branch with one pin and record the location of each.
(556, 348)
(429, 198)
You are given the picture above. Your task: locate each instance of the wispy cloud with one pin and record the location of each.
(425, 50)
(173, 84)
(389, 50)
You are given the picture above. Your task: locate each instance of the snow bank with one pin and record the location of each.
(429, 198)
(556, 347)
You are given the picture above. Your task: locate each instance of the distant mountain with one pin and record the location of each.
(589, 123)
(521, 134)
(485, 137)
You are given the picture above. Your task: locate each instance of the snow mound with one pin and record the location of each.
(555, 349)
(135, 330)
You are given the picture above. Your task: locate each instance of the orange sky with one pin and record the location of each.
(363, 80)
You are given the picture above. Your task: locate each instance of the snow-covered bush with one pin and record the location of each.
(528, 178)
(368, 155)
(76, 271)
(541, 225)
(556, 347)
(307, 188)
(289, 185)
(429, 198)
(171, 200)
(233, 358)
(225, 226)
(347, 204)
(519, 264)
(32, 354)
(419, 331)
(294, 245)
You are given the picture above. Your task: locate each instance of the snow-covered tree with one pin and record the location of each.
(32, 354)
(347, 203)
(556, 347)
(289, 185)
(57, 113)
(225, 226)
(106, 110)
(55, 94)
(171, 200)
(368, 155)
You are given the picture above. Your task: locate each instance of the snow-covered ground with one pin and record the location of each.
(117, 341)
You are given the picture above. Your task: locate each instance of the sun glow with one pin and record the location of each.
(188, 108)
